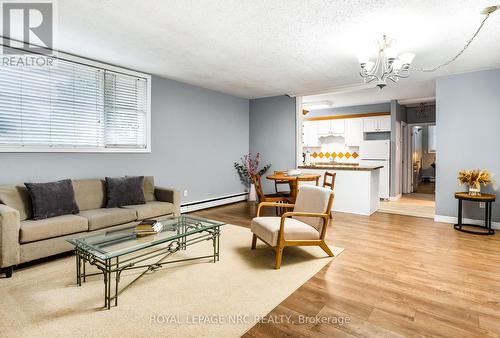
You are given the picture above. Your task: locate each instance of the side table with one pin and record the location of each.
(488, 199)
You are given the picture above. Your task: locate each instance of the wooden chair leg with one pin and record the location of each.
(326, 249)
(279, 255)
(254, 241)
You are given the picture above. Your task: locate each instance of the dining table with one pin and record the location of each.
(293, 181)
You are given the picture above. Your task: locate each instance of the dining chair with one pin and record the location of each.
(273, 198)
(304, 226)
(329, 180)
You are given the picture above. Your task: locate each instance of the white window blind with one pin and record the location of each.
(72, 107)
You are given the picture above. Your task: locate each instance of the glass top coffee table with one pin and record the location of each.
(115, 251)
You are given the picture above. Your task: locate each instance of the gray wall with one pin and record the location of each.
(467, 135)
(273, 133)
(367, 108)
(197, 135)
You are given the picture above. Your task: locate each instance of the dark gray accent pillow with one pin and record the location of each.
(124, 191)
(52, 199)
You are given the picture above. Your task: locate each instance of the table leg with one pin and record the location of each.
(460, 213)
(117, 280)
(78, 271)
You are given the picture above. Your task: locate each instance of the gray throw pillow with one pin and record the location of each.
(124, 191)
(52, 199)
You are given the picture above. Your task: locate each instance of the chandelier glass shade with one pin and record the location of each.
(387, 66)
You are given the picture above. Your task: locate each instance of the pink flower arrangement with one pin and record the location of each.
(249, 167)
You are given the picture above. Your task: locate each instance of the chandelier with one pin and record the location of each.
(391, 66)
(388, 66)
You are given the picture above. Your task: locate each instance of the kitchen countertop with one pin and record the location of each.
(341, 167)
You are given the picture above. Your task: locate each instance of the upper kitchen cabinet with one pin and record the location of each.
(310, 134)
(353, 132)
(377, 124)
(331, 127)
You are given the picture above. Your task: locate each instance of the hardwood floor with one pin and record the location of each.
(419, 205)
(398, 276)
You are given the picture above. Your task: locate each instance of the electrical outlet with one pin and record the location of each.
(482, 205)
(185, 193)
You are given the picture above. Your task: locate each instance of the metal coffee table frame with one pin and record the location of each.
(115, 266)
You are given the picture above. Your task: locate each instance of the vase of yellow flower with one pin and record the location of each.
(474, 179)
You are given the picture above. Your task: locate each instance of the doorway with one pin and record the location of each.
(418, 172)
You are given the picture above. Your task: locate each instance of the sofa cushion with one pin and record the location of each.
(17, 197)
(32, 230)
(152, 209)
(149, 188)
(52, 199)
(106, 217)
(90, 193)
(124, 191)
(268, 228)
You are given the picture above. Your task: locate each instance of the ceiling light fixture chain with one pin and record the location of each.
(459, 53)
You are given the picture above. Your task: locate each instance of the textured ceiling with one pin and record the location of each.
(257, 48)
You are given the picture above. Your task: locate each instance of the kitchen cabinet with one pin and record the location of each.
(353, 132)
(310, 134)
(377, 124)
(330, 127)
(323, 127)
(337, 126)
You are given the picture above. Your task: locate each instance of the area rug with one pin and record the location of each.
(195, 299)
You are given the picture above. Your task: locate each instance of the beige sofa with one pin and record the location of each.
(23, 239)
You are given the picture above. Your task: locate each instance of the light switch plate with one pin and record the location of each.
(482, 205)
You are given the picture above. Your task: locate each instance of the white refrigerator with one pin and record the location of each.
(378, 153)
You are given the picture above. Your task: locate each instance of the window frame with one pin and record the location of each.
(74, 149)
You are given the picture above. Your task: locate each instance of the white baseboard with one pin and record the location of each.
(454, 220)
(394, 198)
(213, 202)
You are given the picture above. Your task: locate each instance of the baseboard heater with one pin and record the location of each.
(213, 202)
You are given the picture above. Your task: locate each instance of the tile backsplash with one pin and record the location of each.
(333, 149)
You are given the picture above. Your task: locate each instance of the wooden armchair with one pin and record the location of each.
(304, 226)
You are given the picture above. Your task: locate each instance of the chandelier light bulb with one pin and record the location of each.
(407, 58)
(397, 65)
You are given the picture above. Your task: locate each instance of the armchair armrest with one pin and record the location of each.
(325, 218)
(171, 196)
(9, 236)
(273, 204)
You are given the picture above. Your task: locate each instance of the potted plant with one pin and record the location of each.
(474, 178)
(247, 168)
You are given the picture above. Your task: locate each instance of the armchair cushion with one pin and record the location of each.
(268, 228)
(312, 199)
